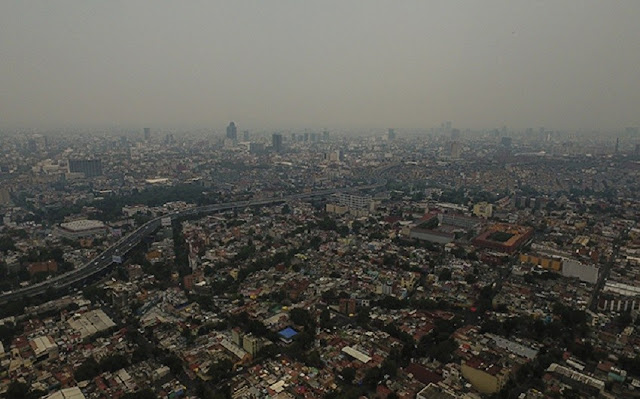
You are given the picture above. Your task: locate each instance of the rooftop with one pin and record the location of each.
(81, 225)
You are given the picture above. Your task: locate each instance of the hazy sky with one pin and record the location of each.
(267, 64)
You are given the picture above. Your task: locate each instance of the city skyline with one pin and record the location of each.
(357, 65)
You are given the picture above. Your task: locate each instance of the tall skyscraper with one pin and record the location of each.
(391, 134)
(256, 148)
(246, 136)
(276, 142)
(455, 149)
(89, 167)
(147, 133)
(232, 131)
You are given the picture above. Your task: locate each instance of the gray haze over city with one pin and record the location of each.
(292, 64)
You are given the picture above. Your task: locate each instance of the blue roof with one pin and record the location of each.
(288, 332)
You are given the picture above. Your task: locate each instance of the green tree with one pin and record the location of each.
(143, 394)
(7, 244)
(113, 363)
(87, 370)
(445, 274)
(348, 374)
(220, 370)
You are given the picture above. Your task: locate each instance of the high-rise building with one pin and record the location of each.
(232, 131)
(37, 143)
(147, 133)
(276, 142)
(391, 134)
(252, 344)
(455, 134)
(357, 202)
(347, 306)
(446, 127)
(5, 196)
(32, 146)
(246, 135)
(454, 149)
(237, 336)
(325, 135)
(256, 148)
(334, 156)
(89, 167)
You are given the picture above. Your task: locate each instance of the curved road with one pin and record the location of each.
(105, 259)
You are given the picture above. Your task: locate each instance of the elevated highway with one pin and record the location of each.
(124, 245)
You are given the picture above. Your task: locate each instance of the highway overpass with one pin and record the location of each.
(125, 244)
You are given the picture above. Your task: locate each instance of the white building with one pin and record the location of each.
(81, 229)
(586, 273)
(67, 393)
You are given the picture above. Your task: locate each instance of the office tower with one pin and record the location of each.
(5, 196)
(89, 167)
(252, 344)
(455, 149)
(455, 134)
(325, 135)
(246, 136)
(147, 133)
(446, 127)
(256, 148)
(32, 146)
(637, 150)
(617, 144)
(232, 131)
(37, 143)
(391, 134)
(334, 156)
(276, 142)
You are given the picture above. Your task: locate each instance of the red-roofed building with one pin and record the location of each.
(422, 374)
